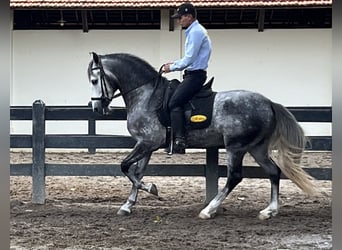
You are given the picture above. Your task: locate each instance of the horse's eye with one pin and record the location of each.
(94, 81)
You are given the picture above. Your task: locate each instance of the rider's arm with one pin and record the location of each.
(192, 46)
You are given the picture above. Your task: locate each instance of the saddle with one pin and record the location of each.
(197, 112)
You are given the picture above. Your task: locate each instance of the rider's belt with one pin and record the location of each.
(189, 72)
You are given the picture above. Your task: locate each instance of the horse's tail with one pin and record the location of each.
(289, 139)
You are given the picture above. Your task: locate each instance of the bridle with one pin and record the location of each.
(104, 98)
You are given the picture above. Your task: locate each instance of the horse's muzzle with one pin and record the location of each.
(96, 104)
(100, 106)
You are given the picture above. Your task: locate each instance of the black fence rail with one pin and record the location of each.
(39, 141)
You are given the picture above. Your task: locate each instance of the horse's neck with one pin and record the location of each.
(145, 97)
(138, 97)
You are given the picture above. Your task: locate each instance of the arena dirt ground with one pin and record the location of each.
(80, 212)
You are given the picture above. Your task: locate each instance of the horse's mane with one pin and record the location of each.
(132, 60)
(141, 64)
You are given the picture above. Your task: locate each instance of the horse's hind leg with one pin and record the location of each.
(261, 156)
(138, 171)
(234, 177)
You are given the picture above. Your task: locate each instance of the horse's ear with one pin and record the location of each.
(95, 57)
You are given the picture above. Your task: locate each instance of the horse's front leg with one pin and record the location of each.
(142, 149)
(138, 170)
(141, 155)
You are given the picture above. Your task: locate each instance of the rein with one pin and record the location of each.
(158, 80)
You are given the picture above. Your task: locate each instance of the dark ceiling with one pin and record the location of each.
(150, 18)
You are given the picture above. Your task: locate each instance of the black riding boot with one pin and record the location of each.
(177, 124)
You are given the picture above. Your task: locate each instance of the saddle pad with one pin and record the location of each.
(198, 112)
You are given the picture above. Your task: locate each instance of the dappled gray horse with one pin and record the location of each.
(242, 121)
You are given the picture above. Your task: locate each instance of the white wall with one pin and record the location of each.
(52, 65)
(292, 67)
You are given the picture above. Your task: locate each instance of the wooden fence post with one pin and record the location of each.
(211, 174)
(91, 131)
(38, 152)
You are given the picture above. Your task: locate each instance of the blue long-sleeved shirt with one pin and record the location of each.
(197, 49)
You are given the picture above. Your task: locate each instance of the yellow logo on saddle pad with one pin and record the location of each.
(198, 118)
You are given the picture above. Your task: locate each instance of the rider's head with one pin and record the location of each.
(186, 14)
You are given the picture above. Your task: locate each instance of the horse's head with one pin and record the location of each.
(102, 87)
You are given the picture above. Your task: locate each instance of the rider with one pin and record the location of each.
(195, 63)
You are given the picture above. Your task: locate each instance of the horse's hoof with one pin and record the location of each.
(153, 189)
(123, 212)
(205, 216)
(262, 216)
(265, 215)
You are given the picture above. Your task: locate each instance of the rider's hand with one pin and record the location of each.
(167, 67)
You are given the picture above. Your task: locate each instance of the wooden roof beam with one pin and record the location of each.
(171, 20)
(85, 21)
(261, 21)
